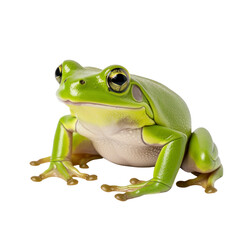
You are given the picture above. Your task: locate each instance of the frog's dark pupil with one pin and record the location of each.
(58, 73)
(119, 79)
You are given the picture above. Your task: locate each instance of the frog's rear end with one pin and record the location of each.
(202, 160)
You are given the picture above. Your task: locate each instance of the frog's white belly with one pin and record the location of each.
(121, 146)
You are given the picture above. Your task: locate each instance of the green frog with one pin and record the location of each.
(131, 121)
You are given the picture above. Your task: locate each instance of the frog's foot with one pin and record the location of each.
(83, 158)
(40, 161)
(206, 180)
(135, 184)
(76, 159)
(136, 189)
(65, 170)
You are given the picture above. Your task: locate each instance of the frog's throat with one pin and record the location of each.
(109, 114)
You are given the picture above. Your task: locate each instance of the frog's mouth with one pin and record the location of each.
(101, 114)
(101, 105)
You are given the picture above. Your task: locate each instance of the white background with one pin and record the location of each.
(193, 47)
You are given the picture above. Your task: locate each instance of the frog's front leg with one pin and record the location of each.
(168, 163)
(80, 159)
(60, 161)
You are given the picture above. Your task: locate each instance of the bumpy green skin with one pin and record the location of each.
(168, 125)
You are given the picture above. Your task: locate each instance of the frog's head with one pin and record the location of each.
(112, 86)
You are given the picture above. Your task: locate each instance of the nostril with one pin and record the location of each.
(65, 80)
(82, 82)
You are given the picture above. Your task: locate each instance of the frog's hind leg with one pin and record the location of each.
(202, 160)
(83, 151)
(206, 180)
(82, 159)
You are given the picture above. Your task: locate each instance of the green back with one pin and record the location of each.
(168, 108)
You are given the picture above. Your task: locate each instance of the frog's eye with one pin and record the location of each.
(118, 80)
(58, 74)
